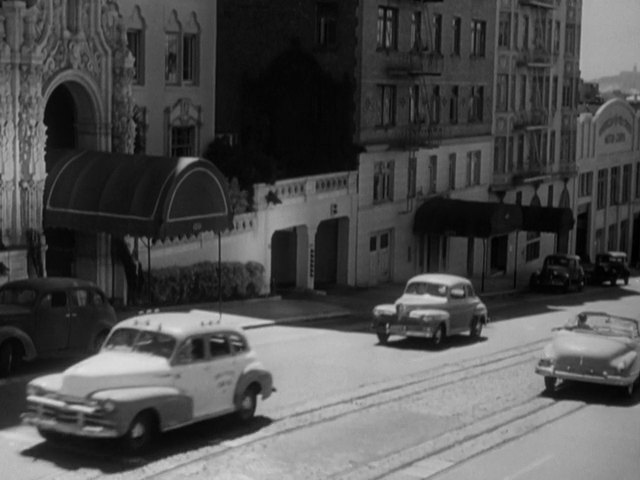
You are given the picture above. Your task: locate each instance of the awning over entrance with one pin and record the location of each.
(460, 218)
(546, 219)
(137, 195)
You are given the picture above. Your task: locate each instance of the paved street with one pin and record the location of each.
(347, 407)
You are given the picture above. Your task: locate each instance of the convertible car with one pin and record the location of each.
(594, 347)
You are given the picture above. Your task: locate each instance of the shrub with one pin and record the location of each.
(199, 282)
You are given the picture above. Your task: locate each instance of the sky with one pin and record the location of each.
(610, 41)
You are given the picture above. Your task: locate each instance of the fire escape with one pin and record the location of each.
(423, 61)
(535, 62)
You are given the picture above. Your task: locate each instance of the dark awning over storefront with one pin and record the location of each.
(137, 195)
(546, 219)
(460, 218)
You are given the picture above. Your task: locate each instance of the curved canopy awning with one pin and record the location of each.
(546, 219)
(461, 218)
(137, 195)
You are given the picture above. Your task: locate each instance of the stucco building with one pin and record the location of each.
(607, 194)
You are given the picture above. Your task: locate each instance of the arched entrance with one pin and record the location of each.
(71, 122)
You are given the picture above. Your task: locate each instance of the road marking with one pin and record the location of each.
(529, 468)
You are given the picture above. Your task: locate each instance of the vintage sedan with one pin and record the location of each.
(433, 306)
(155, 372)
(608, 267)
(45, 317)
(559, 271)
(594, 347)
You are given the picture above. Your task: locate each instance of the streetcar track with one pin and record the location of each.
(373, 397)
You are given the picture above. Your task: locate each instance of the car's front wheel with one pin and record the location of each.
(383, 337)
(476, 328)
(247, 405)
(438, 336)
(141, 434)
(632, 387)
(550, 384)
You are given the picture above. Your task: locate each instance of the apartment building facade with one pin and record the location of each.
(115, 76)
(535, 113)
(607, 193)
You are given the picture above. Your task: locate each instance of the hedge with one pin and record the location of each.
(198, 283)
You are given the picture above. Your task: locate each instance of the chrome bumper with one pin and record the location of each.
(614, 380)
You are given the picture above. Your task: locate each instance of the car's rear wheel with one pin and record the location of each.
(141, 434)
(8, 358)
(247, 405)
(438, 336)
(476, 328)
(550, 384)
(383, 337)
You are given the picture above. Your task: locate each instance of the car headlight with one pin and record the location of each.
(108, 405)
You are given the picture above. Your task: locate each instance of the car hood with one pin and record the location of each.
(421, 300)
(578, 344)
(114, 370)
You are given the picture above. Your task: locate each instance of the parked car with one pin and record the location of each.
(43, 317)
(594, 347)
(433, 306)
(559, 271)
(608, 267)
(155, 372)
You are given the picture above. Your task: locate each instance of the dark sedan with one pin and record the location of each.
(44, 317)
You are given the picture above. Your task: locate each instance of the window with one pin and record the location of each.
(532, 251)
(238, 343)
(135, 43)
(550, 196)
(626, 184)
(502, 93)
(520, 153)
(500, 155)
(478, 38)
(601, 199)
(453, 105)
(437, 33)
(326, 24)
(383, 182)
(416, 31)
(435, 105)
(387, 33)
(624, 233)
(552, 147)
(525, 32)
(504, 30)
(183, 141)
(414, 104)
(181, 58)
(387, 96)
(585, 187)
(570, 39)
(612, 240)
(637, 180)
(433, 173)
(452, 171)
(218, 346)
(615, 185)
(80, 297)
(473, 167)
(523, 92)
(457, 30)
(171, 58)
(476, 104)
(412, 177)
(189, 58)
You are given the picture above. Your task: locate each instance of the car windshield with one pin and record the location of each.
(604, 324)
(558, 261)
(21, 296)
(427, 288)
(142, 341)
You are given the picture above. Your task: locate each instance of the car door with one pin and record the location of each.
(194, 376)
(52, 322)
(227, 367)
(461, 308)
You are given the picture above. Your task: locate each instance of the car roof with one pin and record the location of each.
(614, 254)
(179, 324)
(441, 278)
(43, 283)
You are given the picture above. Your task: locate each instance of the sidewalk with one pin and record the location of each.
(300, 306)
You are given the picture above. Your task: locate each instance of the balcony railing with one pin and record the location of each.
(420, 135)
(415, 63)
(539, 3)
(535, 118)
(506, 180)
(535, 58)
